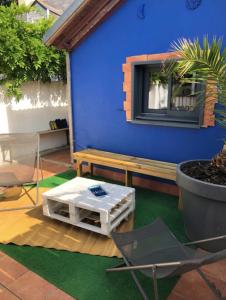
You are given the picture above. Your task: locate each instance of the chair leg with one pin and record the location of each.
(144, 295)
(41, 167)
(116, 266)
(155, 284)
(37, 194)
(25, 192)
(211, 286)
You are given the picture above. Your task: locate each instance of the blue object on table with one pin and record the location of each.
(97, 190)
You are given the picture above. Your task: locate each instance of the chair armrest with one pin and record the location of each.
(142, 267)
(205, 240)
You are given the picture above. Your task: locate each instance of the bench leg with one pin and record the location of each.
(90, 168)
(180, 202)
(128, 178)
(79, 168)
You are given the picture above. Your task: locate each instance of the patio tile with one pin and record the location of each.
(175, 296)
(10, 270)
(219, 284)
(17, 282)
(191, 286)
(49, 168)
(31, 286)
(58, 294)
(6, 294)
(217, 270)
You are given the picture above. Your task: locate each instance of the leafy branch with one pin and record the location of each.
(23, 55)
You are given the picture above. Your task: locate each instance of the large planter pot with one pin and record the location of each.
(204, 208)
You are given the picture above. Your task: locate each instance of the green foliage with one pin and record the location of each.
(205, 63)
(23, 55)
(6, 2)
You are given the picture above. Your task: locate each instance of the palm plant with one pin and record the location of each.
(206, 64)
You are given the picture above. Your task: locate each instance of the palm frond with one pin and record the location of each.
(208, 59)
(206, 63)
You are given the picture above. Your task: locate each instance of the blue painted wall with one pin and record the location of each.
(97, 79)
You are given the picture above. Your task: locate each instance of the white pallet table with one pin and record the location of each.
(73, 203)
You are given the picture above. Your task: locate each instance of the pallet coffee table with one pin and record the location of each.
(73, 202)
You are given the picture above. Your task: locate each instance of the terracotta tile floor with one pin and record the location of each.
(56, 162)
(192, 287)
(17, 282)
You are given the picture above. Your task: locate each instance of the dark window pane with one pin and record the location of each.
(161, 98)
(184, 96)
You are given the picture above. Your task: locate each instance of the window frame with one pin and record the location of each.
(165, 116)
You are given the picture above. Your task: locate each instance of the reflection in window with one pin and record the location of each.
(158, 91)
(183, 96)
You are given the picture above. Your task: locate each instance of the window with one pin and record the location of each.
(157, 98)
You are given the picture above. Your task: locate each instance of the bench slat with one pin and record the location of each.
(128, 163)
(107, 156)
(131, 166)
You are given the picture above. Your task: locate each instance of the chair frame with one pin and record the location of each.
(126, 266)
(25, 191)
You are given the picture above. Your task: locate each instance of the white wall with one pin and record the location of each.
(26, 2)
(40, 104)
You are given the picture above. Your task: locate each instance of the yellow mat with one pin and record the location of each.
(30, 227)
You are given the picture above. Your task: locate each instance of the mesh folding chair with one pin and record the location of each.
(155, 251)
(19, 165)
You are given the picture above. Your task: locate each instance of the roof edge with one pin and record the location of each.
(80, 19)
(50, 7)
(63, 20)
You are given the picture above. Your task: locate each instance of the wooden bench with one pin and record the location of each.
(130, 164)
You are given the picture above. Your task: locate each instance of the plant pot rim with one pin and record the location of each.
(197, 180)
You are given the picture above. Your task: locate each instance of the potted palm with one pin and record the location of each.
(202, 182)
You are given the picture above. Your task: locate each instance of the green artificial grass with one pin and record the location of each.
(83, 276)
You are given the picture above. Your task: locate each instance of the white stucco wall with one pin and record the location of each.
(26, 2)
(40, 104)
